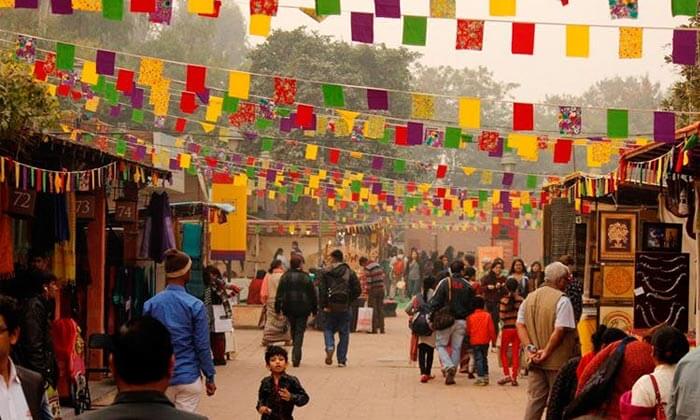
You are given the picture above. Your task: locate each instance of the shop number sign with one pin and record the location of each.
(126, 211)
(22, 203)
(85, 207)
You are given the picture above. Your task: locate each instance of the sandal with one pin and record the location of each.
(504, 381)
(514, 382)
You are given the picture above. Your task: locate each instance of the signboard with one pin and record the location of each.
(22, 203)
(85, 207)
(126, 211)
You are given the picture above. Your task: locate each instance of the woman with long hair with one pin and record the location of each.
(536, 276)
(279, 255)
(518, 272)
(215, 294)
(508, 313)
(423, 347)
(413, 274)
(276, 326)
(493, 287)
(255, 288)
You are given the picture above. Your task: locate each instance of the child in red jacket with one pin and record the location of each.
(481, 332)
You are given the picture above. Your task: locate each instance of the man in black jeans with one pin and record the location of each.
(296, 299)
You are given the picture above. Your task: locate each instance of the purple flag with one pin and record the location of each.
(377, 99)
(137, 98)
(415, 133)
(390, 200)
(236, 158)
(115, 111)
(377, 162)
(286, 125)
(105, 62)
(174, 164)
(505, 200)
(26, 4)
(203, 96)
(362, 27)
(271, 175)
(61, 7)
(685, 45)
(139, 152)
(376, 188)
(665, 127)
(498, 151)
(507, 179)
(387, 8)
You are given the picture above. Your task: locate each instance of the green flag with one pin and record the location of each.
(399, 166)
(327, 7)
(453, 137)
(113, 9)
(65, 56)
(267, 144)
(137, 115)
(230, 104)
(684, 7)
(532, 181)
(414, 30)
(618, 123)
(333, 96)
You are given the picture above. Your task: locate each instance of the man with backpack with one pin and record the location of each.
(374, 278)
(450, 306)
(339, 287)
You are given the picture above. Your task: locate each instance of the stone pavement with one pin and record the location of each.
(378, 383)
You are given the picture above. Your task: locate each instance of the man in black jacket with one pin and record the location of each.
(339, 286)
(142, 363)
(296, 299)
(455, 293)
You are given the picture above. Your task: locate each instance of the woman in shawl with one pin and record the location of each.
(276, 327)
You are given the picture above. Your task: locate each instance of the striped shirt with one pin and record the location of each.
(508, 317)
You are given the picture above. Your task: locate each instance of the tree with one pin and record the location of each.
(684, 95)
(25, 106)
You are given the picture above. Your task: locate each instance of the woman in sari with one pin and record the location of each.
(276, 327)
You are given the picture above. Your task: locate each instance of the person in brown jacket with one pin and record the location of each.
(547, 330)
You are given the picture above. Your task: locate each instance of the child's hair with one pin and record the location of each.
(478, 302)
(275, 351)
(670, 345)
(512, 287)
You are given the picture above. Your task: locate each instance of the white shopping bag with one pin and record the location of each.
(364, 319)
(221, 322)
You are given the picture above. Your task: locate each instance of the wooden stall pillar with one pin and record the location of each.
(96, 237)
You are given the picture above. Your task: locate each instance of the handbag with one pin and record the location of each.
(443, 318)
(364, 318)
(660, 409)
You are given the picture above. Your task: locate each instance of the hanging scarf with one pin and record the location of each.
(64, 251)
(7, 260)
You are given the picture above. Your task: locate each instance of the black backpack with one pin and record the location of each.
(419, 324)
(600, 385)
(339, 292)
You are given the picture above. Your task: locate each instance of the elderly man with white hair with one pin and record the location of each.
(547, 330)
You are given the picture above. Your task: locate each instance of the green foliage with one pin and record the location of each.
(684, 95)
(25, 106)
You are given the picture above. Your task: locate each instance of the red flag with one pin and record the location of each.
(143, 6)
(523, 40)
(401, 136)
(562, 151)
(523, 116)
(441, 171)
(305, 115)
(333, 155)
(180, 125)
(188, 102)
(125, 81)
(196, 78)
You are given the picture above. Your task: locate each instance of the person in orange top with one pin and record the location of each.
(481, 332)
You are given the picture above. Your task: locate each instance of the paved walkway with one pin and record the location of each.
(378, 383)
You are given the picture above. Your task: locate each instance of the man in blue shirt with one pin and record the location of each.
(185, 317)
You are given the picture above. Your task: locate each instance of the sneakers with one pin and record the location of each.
(504, 381)
(424, 379)
(450, 376)
(481, 382)
(514, 382)
(343, 364)
(329, 357)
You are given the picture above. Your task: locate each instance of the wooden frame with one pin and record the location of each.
(596, 282)
(617, 238)
(621, 317)
(662, 237)
(618, 283)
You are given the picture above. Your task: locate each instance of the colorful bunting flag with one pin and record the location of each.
(89, 73)
(285, 91)
(333, 156)
(377, 99)
(399, 166)
(470, 113)
(333, 96)
(523, 38)
(470, 34)
(684, 7)
(623, 9)
(61, 7)
(523, 116)
(105, 62)
(617, 123)
(387, 8)
(362, 27)
(260, 25)
(630, 42)
(665, 127)
(327, 7)
(239, 84)
(562, 151)
(685, 44)
(65, 56)
(422, 106)
(415, 30)
(196, 78)
(443, 9)
(264, 7)
(502, 7)
(143, 6)
(453, 136)
(577, 40)
(200, 6)
(311, 152)
(569, 120)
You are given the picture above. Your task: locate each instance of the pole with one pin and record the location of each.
(320, 236)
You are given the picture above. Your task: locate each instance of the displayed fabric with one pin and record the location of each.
(63, 261)
(50, 223)
(661, 284)
(158, 233)
(192, 239)
(7, 260)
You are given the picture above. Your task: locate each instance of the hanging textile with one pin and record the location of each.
(64, 252)
(192, 239)
(158, 234)
(50, 223)
(7, 260)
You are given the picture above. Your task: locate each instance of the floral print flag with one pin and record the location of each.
(488, 141)
(263, 7)
(623, 9)
(26, 49)
(285, 91)
(470, 34)
(570, 120)
(442, 9)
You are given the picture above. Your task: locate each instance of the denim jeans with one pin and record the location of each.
(338, 322)
(298, 326)
(481, 360)
(453, 337)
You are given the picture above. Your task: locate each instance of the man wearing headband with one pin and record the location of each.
(185, 317)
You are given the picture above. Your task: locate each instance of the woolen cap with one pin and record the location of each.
(177, 263)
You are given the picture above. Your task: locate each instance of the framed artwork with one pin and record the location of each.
(618, 282)
(661, 290)
(596, 282)
(662, 237)
(618, 236)
(617, 317)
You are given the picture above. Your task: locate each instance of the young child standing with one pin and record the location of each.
(279, 392)
(481, 332)
(508, 308)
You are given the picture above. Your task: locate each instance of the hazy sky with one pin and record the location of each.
(548, 71)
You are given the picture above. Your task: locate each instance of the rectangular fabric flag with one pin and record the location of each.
(470, 34)
(577, 40)
(285, 91)
(523, 38)
(65, 56)
(105, 62)
(311, 152)
(264, 7)
(125, 81)
(523, 116)
(685, 44)
(333, 156)
(333, 96)
(26, 4)
(362, 27)
(387, 8)
(422, 106)
(401, 136)
(623, 9)
(453, 137)
(570, 120)
(399, 166)
(200, 7)
(630, 42)
(502, 7)
(618, 123)
(305, 115)
(239, 85)
(684, 7)
(415, 133)
(327, 7)
(470, 112)
(61, 7)
(143, 6)
(562, 151)
(665, 127)
(377, 163)
(113, 9)
(414, 30)
(377, 99)
(442, 9)
(532, 182)
(196, 78)
(507, 179)
(89, 74)
(441, 171)
(260, 25)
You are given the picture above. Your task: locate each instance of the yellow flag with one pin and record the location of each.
(502, 8)
(598, 154)
(204, 7)
(496, 197)
(577, 40)
(7, 4)
(185, 160)
(51, 89)
(347, 121)
(356, 155)
(630, 42)
(469, 113)
(311, 151)
(239, 84)
(260, 25)
(214, 108)
(468, 171)
(92, 104)
(374, 127)
(84, 5)
(486, 177)
(208, 128)
(89, 75)
(314, 181)
(150, 71)
(423, 106)
(525, 144)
